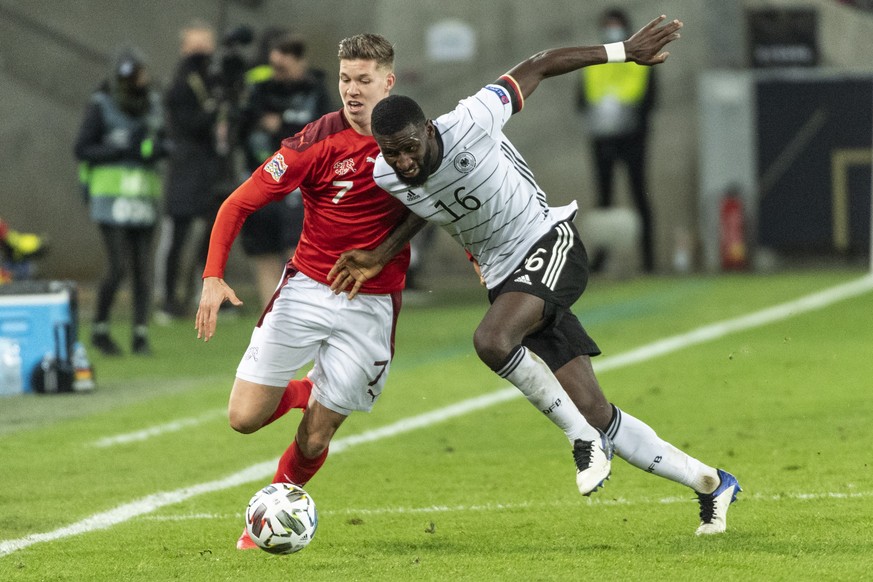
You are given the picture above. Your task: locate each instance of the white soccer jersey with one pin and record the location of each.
(483, 193)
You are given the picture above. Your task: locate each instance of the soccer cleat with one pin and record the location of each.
(245, 542)
(714, 506)
(592, 463)
(105, 344)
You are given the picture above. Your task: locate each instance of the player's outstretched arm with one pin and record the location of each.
(644, 48)
(215, 292)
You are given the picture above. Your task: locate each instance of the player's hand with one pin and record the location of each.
(215, 292)
(353, 268)
(645, 47)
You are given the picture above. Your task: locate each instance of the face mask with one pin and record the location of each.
(613, 34)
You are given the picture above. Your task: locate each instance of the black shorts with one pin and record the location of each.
(273, 229)
(556, 271)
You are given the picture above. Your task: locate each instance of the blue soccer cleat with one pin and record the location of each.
(714, 506)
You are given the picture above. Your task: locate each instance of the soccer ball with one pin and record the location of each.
(281, 518)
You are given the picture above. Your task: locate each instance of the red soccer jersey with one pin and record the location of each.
(332, 164)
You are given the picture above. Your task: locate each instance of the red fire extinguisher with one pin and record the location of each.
(733, 232)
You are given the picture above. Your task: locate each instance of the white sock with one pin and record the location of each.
(637, 443)
(532, 376)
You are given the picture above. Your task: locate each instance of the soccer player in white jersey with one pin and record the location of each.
(461, 172)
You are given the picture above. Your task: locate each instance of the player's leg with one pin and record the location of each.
(309, 450)
(262, 392)
(528, 304)
(297, 392)
(253, 406)
(638, 444)
(498, 342)
(635, 441)
(264, 388)
(349, 373)
(306, 454)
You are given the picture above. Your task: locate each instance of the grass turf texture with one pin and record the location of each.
(489, 495)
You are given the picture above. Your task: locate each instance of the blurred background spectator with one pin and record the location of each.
(280, 105)
(707, 130)
(617, 100)
(120, 140)
(194, 167)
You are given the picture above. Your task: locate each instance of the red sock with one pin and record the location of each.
(295, 468)
(296, 395)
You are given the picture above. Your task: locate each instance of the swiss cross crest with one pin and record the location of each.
(344, 167)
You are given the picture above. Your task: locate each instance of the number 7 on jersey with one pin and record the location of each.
(344, 186)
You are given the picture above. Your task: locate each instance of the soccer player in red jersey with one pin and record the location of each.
(350, 342)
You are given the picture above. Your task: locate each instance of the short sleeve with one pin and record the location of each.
(492, 106)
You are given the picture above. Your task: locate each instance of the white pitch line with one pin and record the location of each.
(157, 430)
(493, 507)
(720, 329)
(260, 471)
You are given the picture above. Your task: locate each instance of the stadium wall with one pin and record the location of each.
(55, 52)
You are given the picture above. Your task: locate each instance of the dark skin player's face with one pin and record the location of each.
(412, 152)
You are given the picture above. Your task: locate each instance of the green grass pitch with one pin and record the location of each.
(483, 495)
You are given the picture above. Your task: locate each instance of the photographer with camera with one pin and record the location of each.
(292, 96)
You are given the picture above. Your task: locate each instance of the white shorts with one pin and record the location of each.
(350, 342)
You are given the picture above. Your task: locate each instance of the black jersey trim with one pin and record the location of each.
(511, 86)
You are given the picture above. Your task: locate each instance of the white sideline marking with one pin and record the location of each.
(722, 328)
(689, 499)
(604, 364)
(157, 430)
(256, 472)
(260, 471)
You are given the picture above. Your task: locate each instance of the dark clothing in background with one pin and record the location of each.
(277, 227)
(194, 173)
(618, 108)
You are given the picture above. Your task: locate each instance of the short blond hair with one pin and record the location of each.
(368, 47)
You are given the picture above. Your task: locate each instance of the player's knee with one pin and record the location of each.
(243, 422)
(491, 347)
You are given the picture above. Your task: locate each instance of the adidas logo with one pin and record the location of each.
(411, 196)
(524, 279)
